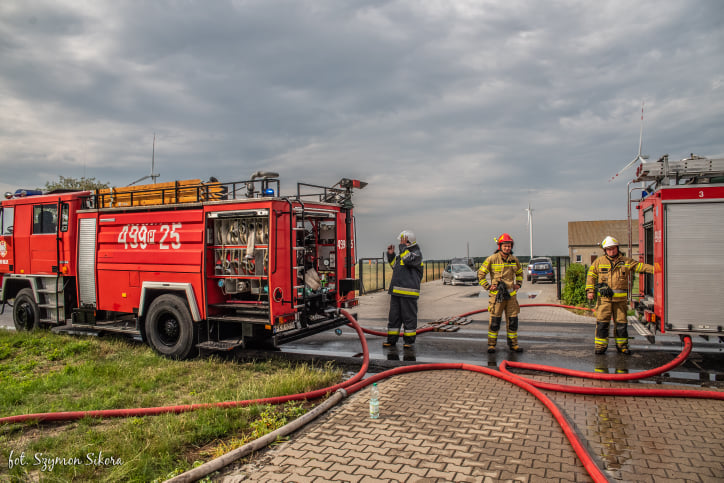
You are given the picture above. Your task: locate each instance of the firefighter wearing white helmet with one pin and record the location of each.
(407, 271)
(609, 276)
(506, 276)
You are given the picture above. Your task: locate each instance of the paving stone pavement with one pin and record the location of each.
(464, 426)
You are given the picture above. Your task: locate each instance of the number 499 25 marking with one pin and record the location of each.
(141, 236)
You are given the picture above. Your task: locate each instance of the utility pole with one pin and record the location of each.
(530, 227)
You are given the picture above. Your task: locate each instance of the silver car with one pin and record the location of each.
(459, 274)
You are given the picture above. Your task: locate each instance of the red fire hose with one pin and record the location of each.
(122, 413)
(593, 470)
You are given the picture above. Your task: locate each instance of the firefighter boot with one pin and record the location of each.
(392, 336)
(621, 330)
(513, 335)
(602, 337)
(493, 333)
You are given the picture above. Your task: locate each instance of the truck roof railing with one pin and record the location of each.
(694, 169)
(178, 192)
(340, 193)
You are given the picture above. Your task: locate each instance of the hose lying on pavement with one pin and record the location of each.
(531, 386)
(614, 391)
(578, 447)
(429, 329)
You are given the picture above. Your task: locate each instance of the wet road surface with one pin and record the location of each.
(550, 336)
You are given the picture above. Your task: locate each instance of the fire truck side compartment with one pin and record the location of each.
(694, 257)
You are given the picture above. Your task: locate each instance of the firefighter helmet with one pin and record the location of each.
(505, 238)
(608, 242)
(407, 234)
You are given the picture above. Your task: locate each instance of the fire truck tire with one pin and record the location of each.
(26, 315)
(169, 328)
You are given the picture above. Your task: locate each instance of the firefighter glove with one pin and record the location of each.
(604, 290)
(502, 294)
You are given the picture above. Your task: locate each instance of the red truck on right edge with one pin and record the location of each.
(681, 233)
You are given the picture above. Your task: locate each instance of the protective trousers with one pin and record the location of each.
(605, 310)
(496, 309)
(403, 311)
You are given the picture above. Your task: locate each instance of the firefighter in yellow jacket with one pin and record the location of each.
(609, 276)
(506, 278)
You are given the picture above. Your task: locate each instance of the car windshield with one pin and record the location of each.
(461, 268)
(538, 260)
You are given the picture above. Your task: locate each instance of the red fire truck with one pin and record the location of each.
(184, 265)
(681, 233)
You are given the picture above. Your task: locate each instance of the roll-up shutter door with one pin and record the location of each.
(87, 261)
(694, 254)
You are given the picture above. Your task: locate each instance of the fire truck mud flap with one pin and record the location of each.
(311, 329)
(169, 328)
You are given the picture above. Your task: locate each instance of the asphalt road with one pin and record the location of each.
(551, 336)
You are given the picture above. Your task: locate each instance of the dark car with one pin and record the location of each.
(535, 260)
(542, 270)
(459, 274)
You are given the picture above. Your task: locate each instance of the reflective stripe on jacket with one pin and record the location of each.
(614, 272)
(407, 271)
(499, 268)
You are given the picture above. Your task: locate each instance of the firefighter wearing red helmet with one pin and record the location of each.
(506, 276)
(609, 275)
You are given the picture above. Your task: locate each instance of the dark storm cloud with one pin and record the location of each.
(457, 113)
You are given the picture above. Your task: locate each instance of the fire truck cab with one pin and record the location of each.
(184, 265)
(681, 233)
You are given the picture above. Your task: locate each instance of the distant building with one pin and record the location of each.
(584, 238)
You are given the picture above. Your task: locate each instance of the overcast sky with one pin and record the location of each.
(457, 113)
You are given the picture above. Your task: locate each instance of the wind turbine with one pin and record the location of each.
(530, 227)
(638, 156)
(153, 175)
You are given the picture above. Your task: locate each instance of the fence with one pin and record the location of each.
(375, 273)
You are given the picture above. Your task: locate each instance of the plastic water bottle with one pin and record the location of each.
(374, 401)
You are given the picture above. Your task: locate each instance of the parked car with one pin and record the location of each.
(535, 260)
(463, 261)
(542, 270)
(458, 273)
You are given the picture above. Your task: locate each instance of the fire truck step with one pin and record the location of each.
(258, 307)
(252, 319)
(95, 329)
(74, 330)
(638, 326)
(49, 321)
(220, 345)
(49, 306)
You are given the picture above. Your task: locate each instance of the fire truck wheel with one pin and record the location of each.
(25, 311)
(169, 327)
